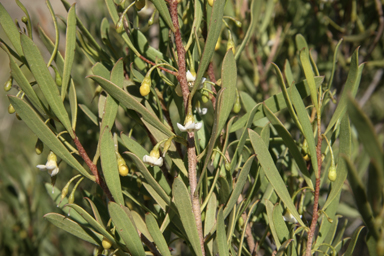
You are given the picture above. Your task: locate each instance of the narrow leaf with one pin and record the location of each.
(158, 237)
(109, 166)
(34, 122)
(10, 30)
(184, 207)
(46, 82)
(272, 173)
(126, 229)
(221, 235)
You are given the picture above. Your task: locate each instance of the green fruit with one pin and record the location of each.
(120, 27)
(332, 173)
(24, 19)
(8, 85)
(236, 108)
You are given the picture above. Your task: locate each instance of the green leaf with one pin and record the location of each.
(255, 11)
(46, 82)
(197, 18)
(286, 96)
(133, 146)
(367, 135)
(352, 243)
(141, 226)
(95, 212)
(158, 237)
(73, 103)
(306, 125)
(115, 17)
(111, 105)
(89, 114)
(351, 86)
(225, 100)
(130, 102)
(150, 179)
(239, 186)
(29, 25)
(221, 235)
(33, 121)
(210, 219)
(141, 43)
(22, 81)
(126, 229)
(56, 197)
(92, 222)
(272, 173)
(341, 169)
(10, 30)
(290, 143)
(184, 206)
(276, 103)
(74, 228)
(109, 165)
(304, 58)
(162, 8)
(214, 30)
(361, 199)
(70, 47)
(271, 223)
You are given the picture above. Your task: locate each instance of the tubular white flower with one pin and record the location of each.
(201, 111)
(190, 126)
(153, 161)
(288, 217)
(51, 165)
(191, 77)
(154, 158)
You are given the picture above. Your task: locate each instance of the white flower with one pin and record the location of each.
(201, 111)
(153, 158)
(288, 217)
(51, 165)
(191, 77)
(190, 126)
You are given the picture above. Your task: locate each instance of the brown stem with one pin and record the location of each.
(192, 159)
(192, 176)
(181, 77)
(212, 77)
(92, 167)
(315, 215)
(160, 67)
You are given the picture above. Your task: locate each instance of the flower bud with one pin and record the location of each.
(24, 19)
(120, 27)
(210, 2)
(39, 147)
(123, 168)
(332, 173)
(205, 96)
(11, 109)
(228, 166)
(145, 87)
(218, 43)
(230, 43)
(236, 107)
(240, 223)
(140, 4)
(8, 84)
(106, 243)
(139, 182)
(238, 24)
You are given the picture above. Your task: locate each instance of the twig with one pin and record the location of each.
(192, 159)
(92, 167)
(160, 67)
(182, 78)
(212, 77)
(315, 216)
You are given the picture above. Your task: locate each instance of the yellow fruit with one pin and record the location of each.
(145, 87)
(218, 43)
(123, 170)
(11, 109)
(8, 84)
(332, 173)
(210, 2)
(106, 243)
(39, 147)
